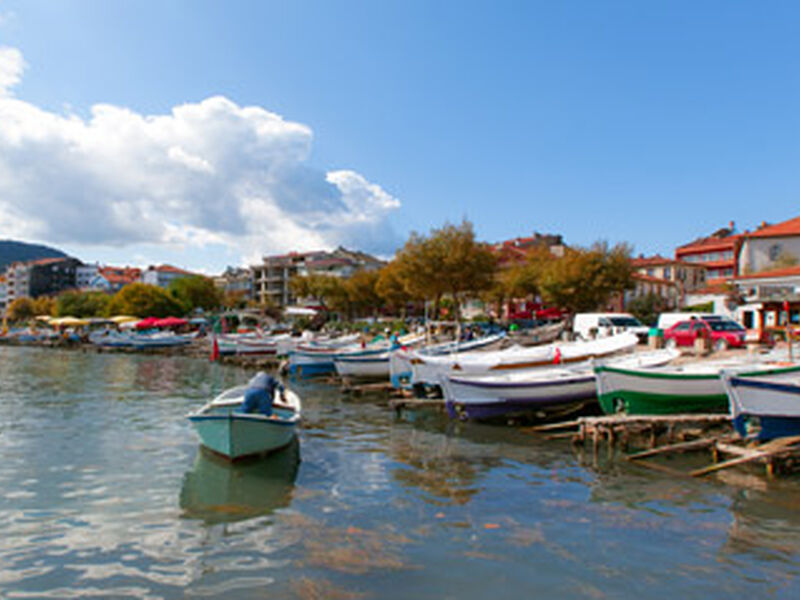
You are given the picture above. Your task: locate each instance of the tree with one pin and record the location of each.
(143, 300)
(21, 309)
(328, 290)
(362, 292)
(389, 286)
(448, 261)
(44, 305)
(647, 308)
(582, 280)
(195, 292)
(82, 304)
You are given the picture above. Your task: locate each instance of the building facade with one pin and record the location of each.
(271, 278)
(163, 275)
(717, 253)
(687, 277)
(119, 277)
(770, 247)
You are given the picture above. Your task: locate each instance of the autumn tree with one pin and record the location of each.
(585, 279)
(44, 306)
(448, 261)
(143, 300)
(21, 309)
(389, 286)
(362, 292)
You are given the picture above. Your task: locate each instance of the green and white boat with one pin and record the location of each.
(690, 388)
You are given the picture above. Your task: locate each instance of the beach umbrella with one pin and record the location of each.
(45, 318)
(68, 322)
(120, 319)
(170, 322)
(147, 323)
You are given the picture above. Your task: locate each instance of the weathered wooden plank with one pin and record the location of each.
(679, 447)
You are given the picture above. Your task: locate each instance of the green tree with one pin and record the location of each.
(82, 304)
(647, 308)
(328, 290)
(143, 300)
(195, 292)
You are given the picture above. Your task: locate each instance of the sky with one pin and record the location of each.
(206, 134)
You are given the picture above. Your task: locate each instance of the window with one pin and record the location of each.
(667, 273)
(774, 252)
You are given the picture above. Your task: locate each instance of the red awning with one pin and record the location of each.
(170, 322)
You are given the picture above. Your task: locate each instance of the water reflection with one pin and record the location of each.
(218, 491)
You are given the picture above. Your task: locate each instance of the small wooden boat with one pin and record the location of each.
(691, 388)
(538, 393)
(233, 434)
(764, 404)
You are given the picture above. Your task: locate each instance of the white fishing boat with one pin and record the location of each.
(429, 370)
(233, 434)
(764, 404)
(400, 362)
(538, 393)
(363, 366)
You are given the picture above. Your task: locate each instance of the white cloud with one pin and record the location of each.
(11, 68)
(210, 172)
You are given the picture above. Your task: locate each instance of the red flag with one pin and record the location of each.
(214, 350)
(557, 357)
(786, 306)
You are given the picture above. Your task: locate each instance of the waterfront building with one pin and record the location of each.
(645, 285)
(118, 277)
(687, 277)
(717, 252)
(86, 277)
(42, 277)
(764, 294)
(271, 278)
(3, 295)
(163, 275)
(236, 280)
(770, 247)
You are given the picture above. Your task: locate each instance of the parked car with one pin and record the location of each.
(723, 333)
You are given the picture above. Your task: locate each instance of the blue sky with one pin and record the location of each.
(646, 122)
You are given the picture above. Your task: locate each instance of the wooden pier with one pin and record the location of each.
(664, 435)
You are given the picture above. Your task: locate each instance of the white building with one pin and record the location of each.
(163, 275)
(770, 247)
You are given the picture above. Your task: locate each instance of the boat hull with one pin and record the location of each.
(765, 404)
(478, 400)
(363, 367)
(236, 436)
(636, 392)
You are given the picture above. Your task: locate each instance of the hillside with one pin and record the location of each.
(11, 251)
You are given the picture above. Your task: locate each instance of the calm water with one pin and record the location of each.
(107, 495)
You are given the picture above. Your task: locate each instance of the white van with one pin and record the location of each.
(588, 326)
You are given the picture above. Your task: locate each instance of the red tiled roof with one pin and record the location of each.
(782, 272)
(708, 244)
(169, 269)
(790, 227)
(120, 274)
(650, 261)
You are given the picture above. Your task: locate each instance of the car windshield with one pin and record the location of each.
(725, 326)
(624, 322)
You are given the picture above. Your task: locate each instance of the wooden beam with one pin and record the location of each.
(679, 447)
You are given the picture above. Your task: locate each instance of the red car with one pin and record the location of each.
(723, 333)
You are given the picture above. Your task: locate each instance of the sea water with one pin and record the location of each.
(107, 494)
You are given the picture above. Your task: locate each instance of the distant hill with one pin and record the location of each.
(11, 251)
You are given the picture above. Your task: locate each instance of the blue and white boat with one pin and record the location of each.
(764, 404)
(233, 434)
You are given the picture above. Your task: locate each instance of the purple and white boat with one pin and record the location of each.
(536, 393)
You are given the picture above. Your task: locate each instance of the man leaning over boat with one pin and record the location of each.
(260, 394)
